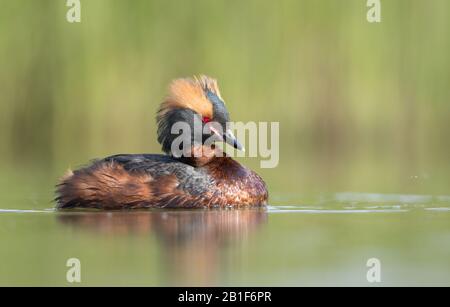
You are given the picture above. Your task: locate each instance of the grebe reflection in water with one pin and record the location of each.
(193, 243)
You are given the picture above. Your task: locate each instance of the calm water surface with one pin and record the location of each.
(327, 242)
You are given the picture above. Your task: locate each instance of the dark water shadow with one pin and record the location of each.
(192, 244)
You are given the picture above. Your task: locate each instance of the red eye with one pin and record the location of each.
(206, 120)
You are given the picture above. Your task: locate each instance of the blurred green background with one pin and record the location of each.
(362, 107)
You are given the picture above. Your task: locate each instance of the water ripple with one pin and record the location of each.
(26, 211)
(342, 203)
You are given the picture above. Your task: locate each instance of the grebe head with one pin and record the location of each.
(196, 103)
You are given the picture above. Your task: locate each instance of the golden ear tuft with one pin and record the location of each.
(208, 84)
(190, 93)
